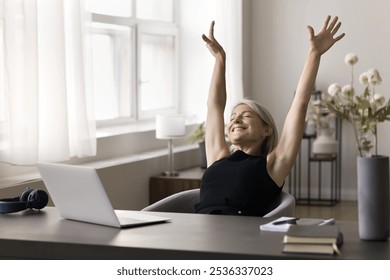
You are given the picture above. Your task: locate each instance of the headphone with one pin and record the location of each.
(29, 199)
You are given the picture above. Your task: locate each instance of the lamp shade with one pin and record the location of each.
(170, 126)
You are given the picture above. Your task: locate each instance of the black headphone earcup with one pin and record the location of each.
(25, 194)
(30, 198)
(37, 199)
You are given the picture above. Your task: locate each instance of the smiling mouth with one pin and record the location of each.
(238, 129)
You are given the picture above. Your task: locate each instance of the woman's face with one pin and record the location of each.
(246, 127)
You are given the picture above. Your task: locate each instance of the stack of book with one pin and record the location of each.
(313, 239)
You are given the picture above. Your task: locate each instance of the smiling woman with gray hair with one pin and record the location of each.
(247, 181)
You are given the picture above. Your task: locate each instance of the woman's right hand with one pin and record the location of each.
(212, 44)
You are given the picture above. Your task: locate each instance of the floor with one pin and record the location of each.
(345, 210)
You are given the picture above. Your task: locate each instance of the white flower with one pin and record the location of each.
(373, 105)
(374, 78)
(334, 89)
(379, 99)
(337, 100)
(347, 91)
(363, 78)
(365, 110)
(351, 59)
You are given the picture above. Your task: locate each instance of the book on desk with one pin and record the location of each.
(313, 239)
(307, 235)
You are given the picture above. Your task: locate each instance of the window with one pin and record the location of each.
(134, 53)
(113, 72)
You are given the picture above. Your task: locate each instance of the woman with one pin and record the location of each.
(249, 180)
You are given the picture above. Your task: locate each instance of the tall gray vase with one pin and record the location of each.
(373, 197)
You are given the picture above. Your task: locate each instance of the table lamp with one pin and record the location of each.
(170, 127)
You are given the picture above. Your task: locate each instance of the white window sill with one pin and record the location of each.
(120, 129)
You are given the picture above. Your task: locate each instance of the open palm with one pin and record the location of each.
(326, 37)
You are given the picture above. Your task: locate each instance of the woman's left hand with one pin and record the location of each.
(325, 39)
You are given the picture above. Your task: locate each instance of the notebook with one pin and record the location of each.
(78, 194)
(280, 226)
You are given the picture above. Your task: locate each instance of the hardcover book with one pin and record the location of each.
(313, 239)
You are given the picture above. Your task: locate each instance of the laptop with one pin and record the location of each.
(78, 194)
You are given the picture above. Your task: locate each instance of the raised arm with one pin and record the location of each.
(283, 157)
(216, 146)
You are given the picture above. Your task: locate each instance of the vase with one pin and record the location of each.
(325, 144)
(373, 197)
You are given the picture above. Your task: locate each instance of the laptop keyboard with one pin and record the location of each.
(134, 217)
(126, 220)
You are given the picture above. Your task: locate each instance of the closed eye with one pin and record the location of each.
(246, 114)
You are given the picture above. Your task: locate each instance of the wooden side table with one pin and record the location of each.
(163, 186)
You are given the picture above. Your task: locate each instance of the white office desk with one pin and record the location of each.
(45, 235)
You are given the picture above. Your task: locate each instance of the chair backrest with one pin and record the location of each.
(183, 202)
(284, 205)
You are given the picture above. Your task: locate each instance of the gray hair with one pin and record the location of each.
(269, 142)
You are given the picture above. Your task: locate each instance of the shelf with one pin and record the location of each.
(316, 179)
(316, 202)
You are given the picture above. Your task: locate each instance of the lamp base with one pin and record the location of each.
(171, 164)
(170, 173)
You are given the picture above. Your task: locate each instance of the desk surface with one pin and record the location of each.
(46, 235)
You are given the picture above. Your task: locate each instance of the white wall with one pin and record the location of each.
(278, 44)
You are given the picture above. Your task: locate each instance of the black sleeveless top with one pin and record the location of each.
(237, 185)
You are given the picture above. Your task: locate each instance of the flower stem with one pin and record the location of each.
(357, 137)
(352, 76)
(355, 132)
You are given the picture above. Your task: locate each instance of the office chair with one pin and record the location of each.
(183, 202)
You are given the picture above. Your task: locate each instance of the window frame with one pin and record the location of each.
(144, 27)
(147, 28)
(107, 31)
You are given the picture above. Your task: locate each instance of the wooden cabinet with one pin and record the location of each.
(163, 186)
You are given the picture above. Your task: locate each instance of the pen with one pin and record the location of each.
(288, 221)
(328, 222)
